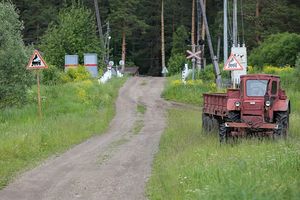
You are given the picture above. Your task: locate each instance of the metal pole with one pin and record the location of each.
(212, 55)
(235, 28)
(218, 48)
(225, 33)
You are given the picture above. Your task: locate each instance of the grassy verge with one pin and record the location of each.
(191, 92)
(72, 113)
(193, 165)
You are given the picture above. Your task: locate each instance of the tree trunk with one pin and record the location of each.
(193, 24)
(98, 21)
(203, 38)
(123, 49)
(203, 25)
(257, 15)
(163, 59)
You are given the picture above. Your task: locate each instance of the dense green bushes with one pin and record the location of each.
(178, 59)
(74, 33)
(278, 49)
(14, 79)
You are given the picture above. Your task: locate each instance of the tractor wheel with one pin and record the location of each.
(204, 122)
(223, 132)
(282, 120)
(209, 124)
(215, 124)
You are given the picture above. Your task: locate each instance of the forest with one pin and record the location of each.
(140, 19)
(131, 31)
(131, 125)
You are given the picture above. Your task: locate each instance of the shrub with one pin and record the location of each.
(77, 74)
(278, 49)
(14, 78)
(179, 40)
(176, 63)
(74, 33)
(51, 76)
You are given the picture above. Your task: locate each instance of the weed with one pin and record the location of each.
(193, 165)
(141, 108)
(72, 113)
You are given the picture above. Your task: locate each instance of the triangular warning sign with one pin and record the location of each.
(36, 61)
(233, 64)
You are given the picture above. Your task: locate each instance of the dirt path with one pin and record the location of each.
(115, 165)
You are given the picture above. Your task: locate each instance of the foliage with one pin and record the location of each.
(289, 76)
(74, 33)
(190, 93)
(193, 165)
(71, 114)
(77, 74)
(51, 76)
(179, 41)
(279, 49)
(14, 79)
(176, 63)
(143, 44)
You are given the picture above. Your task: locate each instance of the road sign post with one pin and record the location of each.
(193, 55)
(37, 63)
(237, 64)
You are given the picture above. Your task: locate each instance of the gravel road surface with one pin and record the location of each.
(115, 165)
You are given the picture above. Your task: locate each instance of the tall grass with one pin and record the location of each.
(72, 113)
(193, 165)
(191, 92)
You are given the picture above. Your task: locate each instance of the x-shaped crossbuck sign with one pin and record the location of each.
(193, 55)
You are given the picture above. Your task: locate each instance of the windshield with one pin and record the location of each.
(256, 88)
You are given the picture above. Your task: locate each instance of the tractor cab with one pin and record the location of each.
(259, 94)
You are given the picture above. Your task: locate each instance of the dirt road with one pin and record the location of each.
(112, 166)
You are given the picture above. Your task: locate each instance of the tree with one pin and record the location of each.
(74, 33)
(178, 58)
(14, 78)
(125, 21)
(278, 49)
(179, 40)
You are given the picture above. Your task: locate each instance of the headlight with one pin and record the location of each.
(268, 103)
(237, 104)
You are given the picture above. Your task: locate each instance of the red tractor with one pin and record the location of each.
(259, 107)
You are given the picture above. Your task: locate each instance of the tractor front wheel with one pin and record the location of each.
(223, 132)
(282, 120)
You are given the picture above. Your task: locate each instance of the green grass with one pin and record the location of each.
(72, 113)
(190, 93)
(141, 108)
(193, 165)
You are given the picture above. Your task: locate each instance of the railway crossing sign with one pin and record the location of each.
(192, 55)
(233, 64)
(36, 61)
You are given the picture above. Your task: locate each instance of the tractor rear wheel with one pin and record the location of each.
(204, 122)
(223, 132)
(282, 120)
